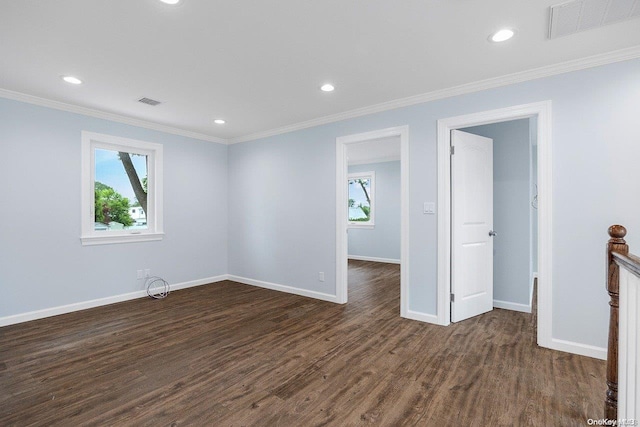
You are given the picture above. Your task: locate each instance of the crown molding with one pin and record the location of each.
(523, 76)
(44, 102)
(519, 77)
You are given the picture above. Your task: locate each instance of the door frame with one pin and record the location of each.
(542, 110)
(342, 243)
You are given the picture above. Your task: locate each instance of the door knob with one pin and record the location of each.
(492, 233)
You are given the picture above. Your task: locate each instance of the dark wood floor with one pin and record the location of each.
(234, 355)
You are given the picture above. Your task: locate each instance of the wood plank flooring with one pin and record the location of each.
(228, 354)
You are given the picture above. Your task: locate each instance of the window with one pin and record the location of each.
(121, 190)
(361, 199)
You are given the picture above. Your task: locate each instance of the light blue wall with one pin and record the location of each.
(533, 131)
(383, 241)
(281, 200)
(595, 175)
(511, 209)
(280, 211)
(43, 264)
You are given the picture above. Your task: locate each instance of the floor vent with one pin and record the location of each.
(149, 101)
(581, 15)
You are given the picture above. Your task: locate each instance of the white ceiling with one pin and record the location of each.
(374, 151)
(258, 64)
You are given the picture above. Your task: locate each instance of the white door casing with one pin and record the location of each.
(471, 224)
(342, 209)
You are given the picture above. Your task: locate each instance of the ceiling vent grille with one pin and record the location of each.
(149, 101)
(581, 15)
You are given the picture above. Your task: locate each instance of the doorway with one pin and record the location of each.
(343, 145)
(542, 112)
(500, 227)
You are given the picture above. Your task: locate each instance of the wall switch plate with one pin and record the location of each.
(140, 274)
(321, 276)
(429, 208)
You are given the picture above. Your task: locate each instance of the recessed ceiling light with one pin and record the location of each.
(72, 80)
(327, 87)
(219, 121)
(502, 35)
(170, 1)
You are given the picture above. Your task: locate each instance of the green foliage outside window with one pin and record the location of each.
(111, 206)
(356, 186)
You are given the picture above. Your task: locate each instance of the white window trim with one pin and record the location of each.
(91, 141)
(371, 223)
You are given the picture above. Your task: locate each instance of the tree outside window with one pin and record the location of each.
(121, 190)
(119, 184)
(361, 198)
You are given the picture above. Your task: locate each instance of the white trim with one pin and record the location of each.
(545, 294)
(513, 306)
(71, 108)
(422, 317)
(577, 348)
(109, 239)
(374, 259)
(519, 77)
(283, 288)
(342, 207)
(90, 141)
(365, 226)
(374, 160)
(523, 76)
(69, 308)
(198, 282)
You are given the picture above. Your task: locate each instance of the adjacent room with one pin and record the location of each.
(319, 213)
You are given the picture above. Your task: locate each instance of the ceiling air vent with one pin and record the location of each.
(581, 15)
(149, 101)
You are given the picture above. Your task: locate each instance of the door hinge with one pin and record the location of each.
(453, 298)
(453, 150)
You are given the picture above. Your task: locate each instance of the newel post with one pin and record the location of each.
(616, 244)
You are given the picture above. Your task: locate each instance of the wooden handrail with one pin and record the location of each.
(616, 246)
(630, 262)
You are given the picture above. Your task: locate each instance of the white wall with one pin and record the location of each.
(595, 175)
(42, 262)
(511, 210)
(382, 241)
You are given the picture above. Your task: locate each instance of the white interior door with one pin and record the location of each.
(471, 225)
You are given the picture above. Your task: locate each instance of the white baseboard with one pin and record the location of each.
(284, 288)
(555, 344)
(198, 282)
(577, 348)
(422, 317)
(506, 305)
(374, 259)
(83, 305)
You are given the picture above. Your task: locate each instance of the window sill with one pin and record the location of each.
(120, 238)
(363, 226)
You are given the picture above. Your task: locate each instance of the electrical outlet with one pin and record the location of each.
(140, 274)
(147, 272)
(321, 276)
